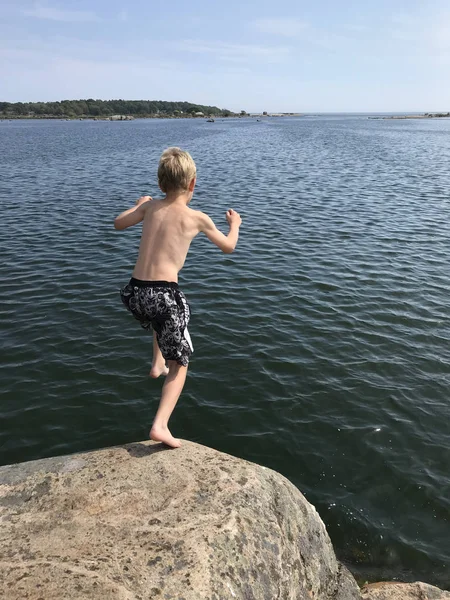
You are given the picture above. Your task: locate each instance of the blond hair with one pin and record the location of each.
(176, 170)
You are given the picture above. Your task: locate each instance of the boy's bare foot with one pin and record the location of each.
(162, 434)
(155, 372)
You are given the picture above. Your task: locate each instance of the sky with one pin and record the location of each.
(286, 56)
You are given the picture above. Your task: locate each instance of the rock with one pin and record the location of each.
(121, 118)
(347, 588)
(403, 591)
(145, 522)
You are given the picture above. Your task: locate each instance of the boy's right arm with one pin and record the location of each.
(227, 243)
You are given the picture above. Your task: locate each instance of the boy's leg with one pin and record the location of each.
(170, 393)
(158, 362)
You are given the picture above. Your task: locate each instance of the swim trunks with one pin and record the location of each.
(161, 306)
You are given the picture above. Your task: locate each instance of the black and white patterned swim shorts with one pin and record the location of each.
(162, 306)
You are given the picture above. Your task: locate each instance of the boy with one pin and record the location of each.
(153, 295)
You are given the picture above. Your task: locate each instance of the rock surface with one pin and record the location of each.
(403, 591)
(144, 522)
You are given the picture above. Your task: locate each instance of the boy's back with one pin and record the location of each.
(167, 232)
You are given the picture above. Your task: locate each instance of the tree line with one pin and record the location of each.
(106, 108)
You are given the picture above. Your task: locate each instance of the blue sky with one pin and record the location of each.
(315, 56)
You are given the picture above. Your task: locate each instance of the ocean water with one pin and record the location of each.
(322, 345)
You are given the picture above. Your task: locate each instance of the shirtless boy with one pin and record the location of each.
(153, 295)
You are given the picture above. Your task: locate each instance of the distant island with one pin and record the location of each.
(424, 116)
(119, 110)
(110, 109)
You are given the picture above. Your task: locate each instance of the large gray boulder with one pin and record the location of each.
(403, 591)
(144, 522)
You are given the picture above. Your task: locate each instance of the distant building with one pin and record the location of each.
(199, 114)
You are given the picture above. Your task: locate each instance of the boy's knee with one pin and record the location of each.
(174, 366)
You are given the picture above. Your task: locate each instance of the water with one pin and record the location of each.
(321, 346)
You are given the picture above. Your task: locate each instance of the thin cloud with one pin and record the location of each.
(45, 51)
(303, 32)
(441, 37)
(438, 34)
(40, 11)
(428, 38)
(281, 26)
(236, 52)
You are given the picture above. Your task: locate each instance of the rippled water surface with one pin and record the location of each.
(322, 345)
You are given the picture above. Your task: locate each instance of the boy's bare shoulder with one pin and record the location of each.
(150, 205)
(194, 212)
(201, 218)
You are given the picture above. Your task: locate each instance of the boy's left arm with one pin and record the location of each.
(133, 215)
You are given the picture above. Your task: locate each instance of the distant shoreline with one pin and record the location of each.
(99, 118)
(119, 110)
(259, 116)
(133, 118)
(424, 116)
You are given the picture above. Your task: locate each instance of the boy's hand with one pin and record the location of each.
(143, 199)
(233, 218)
